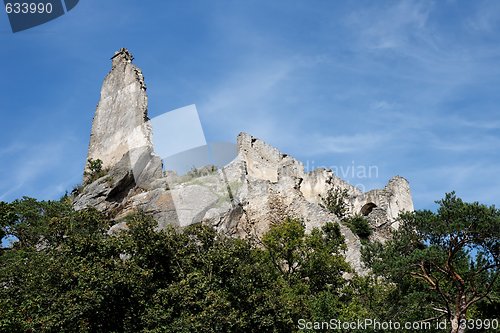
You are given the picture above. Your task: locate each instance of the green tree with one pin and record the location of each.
(316, 256)
(335, 201)
(310, 267)
(453, 253)
(63, 274)
(5, 211)
(67, 274)
(359, 225)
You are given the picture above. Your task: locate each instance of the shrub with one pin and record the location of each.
(95, 170)
(335, 201)
(359, 225)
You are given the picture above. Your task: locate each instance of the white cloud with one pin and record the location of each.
(347, 143)
(382, 105)
(485, 19)
(251, 99)
(11, 149)
(390, 27)
(476, 124)
(5, 195)
(31, 163)
(247, 87)
(473, 143)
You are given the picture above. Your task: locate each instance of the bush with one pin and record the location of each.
(359, 225)
(95, 170)
(77, 189)
(335, 201)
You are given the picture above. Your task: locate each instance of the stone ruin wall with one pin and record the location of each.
(265, 162)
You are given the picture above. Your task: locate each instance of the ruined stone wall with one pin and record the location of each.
(317, 183)
(265, 162)
(394, 198)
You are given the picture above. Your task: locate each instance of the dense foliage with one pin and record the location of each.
(67, 274)
(359, 225)
(444, 264)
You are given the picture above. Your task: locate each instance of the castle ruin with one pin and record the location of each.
(258, 188)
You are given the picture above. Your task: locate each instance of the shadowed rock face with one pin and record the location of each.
(261, 186)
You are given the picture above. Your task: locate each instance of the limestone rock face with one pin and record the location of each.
(108, 193)
(120, 121)
(121, 139)
(259, 188)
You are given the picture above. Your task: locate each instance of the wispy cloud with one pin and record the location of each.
(485, 18)
(390, 27)
(475, 123)
(11, 149)
(255, 97)
(468, 143)
(30, 164)
(247, 86)
(357, 143)
(407, 85)
(474, 181)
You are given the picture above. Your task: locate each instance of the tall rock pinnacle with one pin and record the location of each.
(120, 121)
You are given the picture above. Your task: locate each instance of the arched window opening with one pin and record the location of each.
(367, 209)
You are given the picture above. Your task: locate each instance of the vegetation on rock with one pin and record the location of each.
(335, 201)
(95, 170)
(359, 225)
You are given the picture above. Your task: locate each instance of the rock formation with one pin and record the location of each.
(120, 121)
(261, 186)
(120, 129)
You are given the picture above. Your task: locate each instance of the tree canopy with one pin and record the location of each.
(66, 273)
(445, 262)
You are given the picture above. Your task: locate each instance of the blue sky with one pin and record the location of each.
(408, 87)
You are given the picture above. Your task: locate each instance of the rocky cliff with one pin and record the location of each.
(261, 186)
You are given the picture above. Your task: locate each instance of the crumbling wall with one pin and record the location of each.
(264, 162)
(394, 199)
